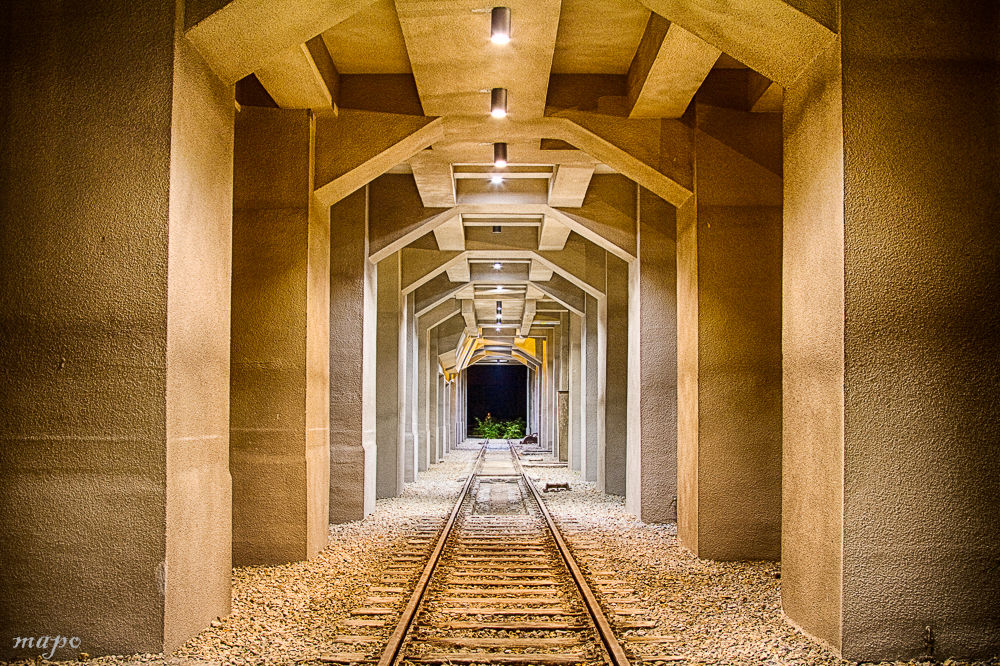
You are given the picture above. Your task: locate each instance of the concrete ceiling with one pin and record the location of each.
(611, 59)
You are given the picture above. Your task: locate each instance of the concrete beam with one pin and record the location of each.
(302, 77)
(565, 293)
(668, 68)
(529, 316)
(539, 272)
(455, 65)
(434, 181)
(355, 147)
(238, 38)
(769, 36)
(450, 235)
(469, 314)
(553, 234)
(569, 185)
(633, 148)
(459, 271)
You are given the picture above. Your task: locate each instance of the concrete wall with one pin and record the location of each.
(352, 316)
(114, 272)
(652, 372)
(279, 454)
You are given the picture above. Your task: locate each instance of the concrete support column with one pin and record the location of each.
(652, 371)
(353, 316)
(891, 465)
(279, 420)
(576, 402)
(453, 414)
(729, 339)
(616, 384)
(391, 458)
(114, 330)
(550, 381)
(426, 398)
(408, 377)
(562, 404)
(594, 390)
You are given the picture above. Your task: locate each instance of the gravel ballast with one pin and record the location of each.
(713, 613)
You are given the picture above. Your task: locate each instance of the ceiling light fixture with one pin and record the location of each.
(498, 102)
(497, 266)
(497, 180)
(496, 228)
(499, 155)
(500, 25)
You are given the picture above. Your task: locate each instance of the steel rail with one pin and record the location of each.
(614, 648)
(392, 648)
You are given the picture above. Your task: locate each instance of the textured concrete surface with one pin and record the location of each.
(616, 383)
(99, 334)
(352, 314)
(390, 460)
(198, 483)
(279, 427)
(813, 353)
(592, 397)
(921, 453)
(737, 295)
(651, 491)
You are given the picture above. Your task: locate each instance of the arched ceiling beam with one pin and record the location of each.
(769, 36)
(438, 275)
(564, 293)
(236, 39)
(630, 147)
(438, 314)
(355, 147)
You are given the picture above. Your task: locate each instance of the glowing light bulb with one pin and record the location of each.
(496, 180)
(497, 266)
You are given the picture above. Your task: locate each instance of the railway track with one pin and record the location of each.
(496, 584)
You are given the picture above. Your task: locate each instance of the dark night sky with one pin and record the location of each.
(501, 390)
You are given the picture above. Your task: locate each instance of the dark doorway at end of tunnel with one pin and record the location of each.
(500, 390)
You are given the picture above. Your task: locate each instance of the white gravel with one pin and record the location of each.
(717, 613)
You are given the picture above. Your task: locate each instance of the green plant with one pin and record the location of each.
(490, 428)
(513, 429)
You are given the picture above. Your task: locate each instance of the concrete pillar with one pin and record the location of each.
(426, 398)
(576, 402)
(353, 316)
(438, 412)
(453, 414)
(549, 380)
(891, 473)
(391, 458)
(279, 454)
(729, 339)
(115, 223)
(408, 377)
(616, 401)
(594, 397)
(562, 405)
(652, 372)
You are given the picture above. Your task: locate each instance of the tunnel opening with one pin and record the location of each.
(498, 391)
